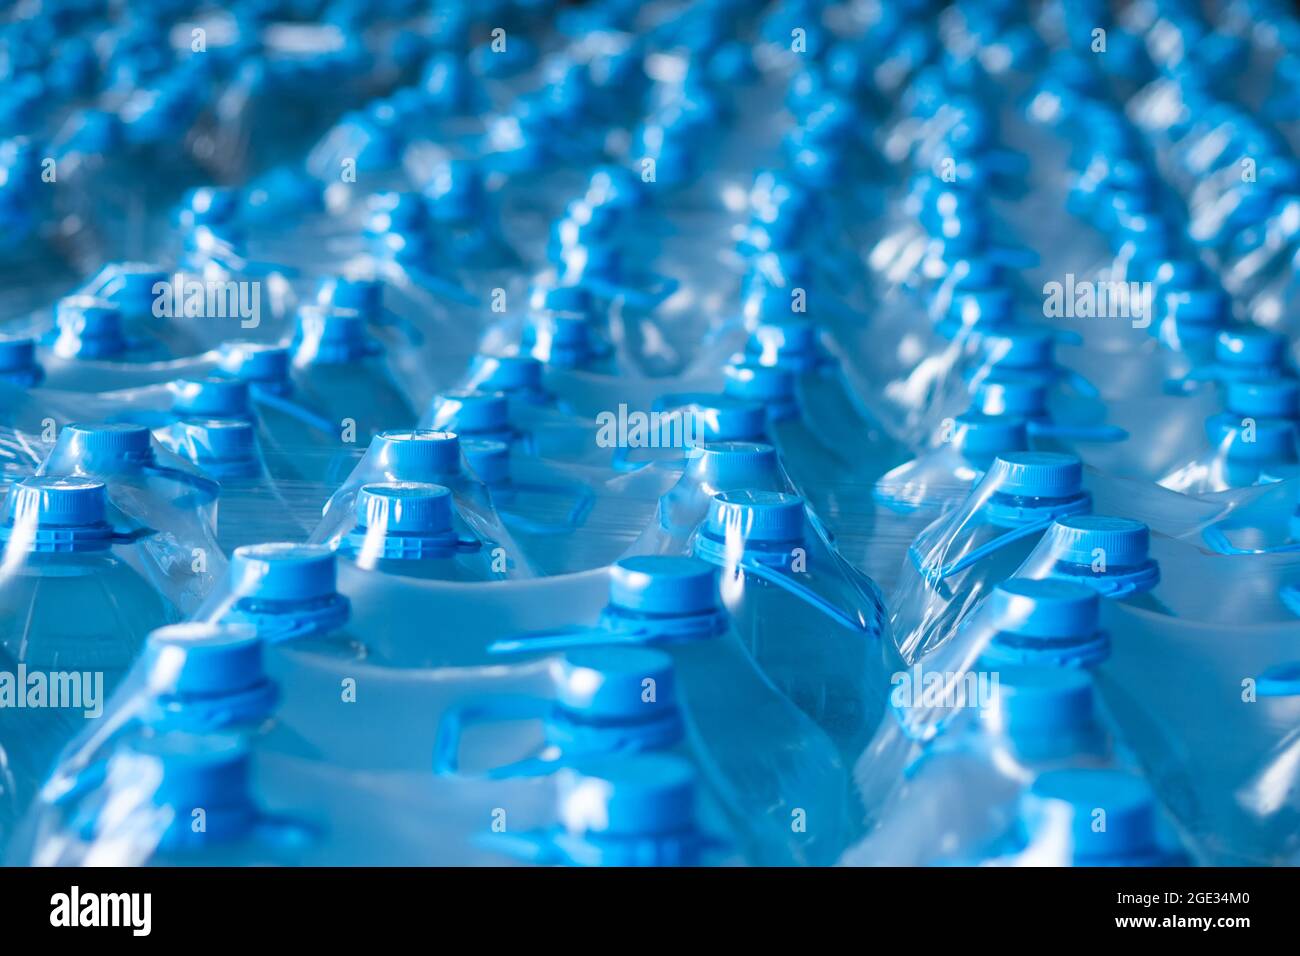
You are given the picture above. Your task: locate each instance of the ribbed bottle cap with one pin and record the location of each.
(771, 342)
(89, 327)
(404, 507)
(718, 417)
(1017, 394)
(507, 373)
(332, 335)
(1264, 440)
(1045, 608)
(283, 572)
(255, 361)
(611, 683)
(106, 447)
(1077, 539)
(565, 331)
(1027, 348)
(214, 441)
(659, 584)
(573, 299)
(1043, 700)
(764, 384)
(1248, 345)
(17, 353)
(131, 285)
(419, 455)
(191, 771)
(363, 295)
(396, 212)
(1264, 398)
(1198, 307)
(57, 502)
(757, 516)
(982, 307)
(1125, 800)
(204, 659)
(733, 464)
(627, 795)
(471, 412)
(211, 398)
(1037, 474)
(978, 435)
(489, 460)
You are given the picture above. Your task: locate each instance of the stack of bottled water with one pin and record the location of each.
(649, 434)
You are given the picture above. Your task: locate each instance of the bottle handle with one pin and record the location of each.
(487, 710)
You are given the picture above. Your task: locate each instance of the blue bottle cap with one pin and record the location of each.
(207, 205)
(610, 683)
(1037, 474)
(1123, 542)
(108, 447)
(419, 455)
(17, 354)
(1204, 307)
(717, 417)
(211, 398)
(1045, 608)
(1024, 348)
(489, 460)
(1011, 393)
(758, 517)
(979, 436)
(193, 771)
(204, 659)
(772, 343)
(130, 285)
(57, 502)
(1249, 346)
(404, 507)
(283, 572)
(363, 295)
(1043, 701)
(471, 413)
(627, 795)
(561, 339)
(574, 299)
(1129, 833)
(89, 328)
(324, 334)
(507, 373)
(658, 584)
(255, 362)
(457, 191)
(1270, 440)
(1264, 398)
(1280, 680)
(767, 385)
(723, 466)
(219, 441)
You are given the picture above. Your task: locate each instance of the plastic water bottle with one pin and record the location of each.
(287, 592)
(620, 811)
(674, 603)
(1110, 555)
(340, 372)
(604, 701)
(153, 791)
(77, 601)
(960, 794)
(250, 507)
(156, 489)
(959, 558)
